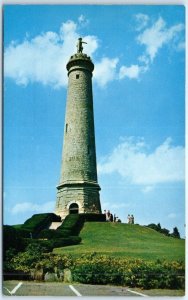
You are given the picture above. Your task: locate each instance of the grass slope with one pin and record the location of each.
(129, 241)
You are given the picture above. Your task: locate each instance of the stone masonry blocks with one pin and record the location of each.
(78, 180)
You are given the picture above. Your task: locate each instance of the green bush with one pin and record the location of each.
(12, 239)
(175, 233)
(154, 227)
(39, 222)
(94, 217)
(62, 242)
(50, 234)
(102, 269)
(71, 225)
(24, 233)
(24, 261)
(51, 262)
(164, 230)
(96, 269)
(49, 245)
(74, 223)
(35, 252)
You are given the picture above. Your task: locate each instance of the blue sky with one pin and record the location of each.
(139, 107)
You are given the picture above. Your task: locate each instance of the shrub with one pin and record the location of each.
(49, 245)
(71, 240)
(96, 269)
(154, 226)
(11, 240)
(94, 217)
(159, 229)
(24, 233)
(24, 261)
(71, 225)
(39, 222)
(50, 234)
(74, 223)
(52, 262)
(165, 231)
(175, 233)
(102, 269)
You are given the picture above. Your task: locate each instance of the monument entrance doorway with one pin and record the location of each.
(74, 209)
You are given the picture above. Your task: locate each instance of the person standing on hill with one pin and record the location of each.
(111, 218)
(108, 216)
(128, 219)
(132, 219)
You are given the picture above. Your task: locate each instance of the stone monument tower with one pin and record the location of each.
(78, 190)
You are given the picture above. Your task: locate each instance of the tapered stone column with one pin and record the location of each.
(78, 190)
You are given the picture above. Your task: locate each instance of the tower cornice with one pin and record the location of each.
(78, 184)
(80, 61)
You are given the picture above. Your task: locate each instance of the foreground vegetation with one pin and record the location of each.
(104, 253)
(98, 269)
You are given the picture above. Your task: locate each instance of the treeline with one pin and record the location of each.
(174, 234)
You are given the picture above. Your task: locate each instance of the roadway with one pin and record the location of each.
(31, 288)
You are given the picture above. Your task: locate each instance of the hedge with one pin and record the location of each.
(74, 223)
(11, 240)
(49, 245)
(50, 234)
(101, 269)
(39, 222)
(62, 242)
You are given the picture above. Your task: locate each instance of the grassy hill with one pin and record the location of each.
(124, 240)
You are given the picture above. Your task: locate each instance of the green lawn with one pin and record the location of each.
(124, 240)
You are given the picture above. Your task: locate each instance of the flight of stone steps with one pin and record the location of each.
(55, 225)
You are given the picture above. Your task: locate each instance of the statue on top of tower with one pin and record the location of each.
(79, 45)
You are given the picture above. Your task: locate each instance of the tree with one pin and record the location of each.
(159, 227)
(165, 231)
(175, 233)
(153, 226)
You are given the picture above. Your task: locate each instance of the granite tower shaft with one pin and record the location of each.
(78, 190)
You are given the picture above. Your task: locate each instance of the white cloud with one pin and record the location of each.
(92, 44)
(131, 160)
(157, 36)
(131, 72)
(81, 18)
(141, 21)
(83, 21)
(22, 208)
(105, 71)
(43, 59)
